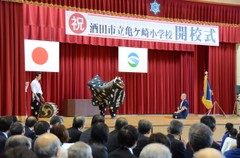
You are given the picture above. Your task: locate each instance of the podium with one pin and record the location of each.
(76, 107)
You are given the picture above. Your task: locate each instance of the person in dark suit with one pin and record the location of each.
(76, 130)
(98, 141)
(200, 136)
(175, 130)
(29, 123)
(211, 123)
(5, 123)
(144, 129)
(112, 138)
(40, 128)
(127, 138)
(182, 110)
(86, 135)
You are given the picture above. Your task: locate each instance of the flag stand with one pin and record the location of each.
(214, 109)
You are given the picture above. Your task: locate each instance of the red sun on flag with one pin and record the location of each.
(40, 55)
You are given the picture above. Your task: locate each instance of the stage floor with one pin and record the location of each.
(161, 122)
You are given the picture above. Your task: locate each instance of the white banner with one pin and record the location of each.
(106, 26)
(132, 59)
(41, 56)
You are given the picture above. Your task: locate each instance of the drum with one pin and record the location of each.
(48, 110)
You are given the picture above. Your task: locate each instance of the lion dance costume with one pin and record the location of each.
(107, 94)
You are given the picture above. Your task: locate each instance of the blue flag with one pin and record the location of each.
(207, 93)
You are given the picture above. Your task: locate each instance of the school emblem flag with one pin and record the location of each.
(41, 56)
(207, 93)
(132, 59)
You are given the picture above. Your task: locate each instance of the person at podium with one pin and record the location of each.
(182, 110)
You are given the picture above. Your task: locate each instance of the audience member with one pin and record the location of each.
(98, 141)
(62, 133)
(5, 123)
(80, 150)
(47, 146)
(228, 127)
(18, 140)
(76, 130)
(127, 138)
(208, 153)
(175, 130)
(230, 141)
(29, 123)
(144, 129)
(86, 135)
(40, 128)
(16, 128)
(19, 152)
(155, 150)
(200, 136)
(160, 138)
(113, 140)
(211, 123)
(234, 153)
(55, 120)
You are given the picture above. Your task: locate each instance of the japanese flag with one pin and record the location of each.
(132, 59)
(41, 56)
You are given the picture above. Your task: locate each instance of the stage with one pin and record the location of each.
(161, 122)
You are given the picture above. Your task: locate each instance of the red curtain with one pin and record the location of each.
(178, 9)
(222, 75)
(12, 73)
(156, 92)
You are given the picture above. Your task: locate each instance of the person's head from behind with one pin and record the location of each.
(99, 133)
(128, 136)
(209, 121)
(120, 122)
(41, 127)
(5, 123)
(19, 152)
(208, 153)
(56, 120)
(200, 136)
(175, 127)
(30, 121)
(97, 118)
(38, 76)
(18, 140)
(233, 133)
(47, 146)
(78, 122)
(160, 138)
(61, 132)
(144, 126)
(16, 128)
(228, 126)
(155, 150)
(80, 150)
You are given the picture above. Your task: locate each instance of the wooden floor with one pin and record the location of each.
(161, 122)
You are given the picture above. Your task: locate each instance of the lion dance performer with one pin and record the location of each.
(107, 94)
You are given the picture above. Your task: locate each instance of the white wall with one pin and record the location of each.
(238, 64)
